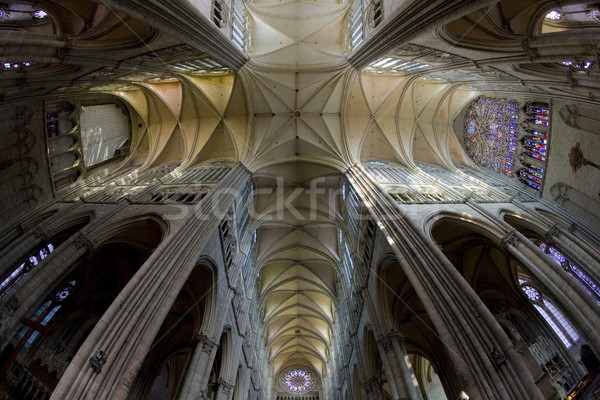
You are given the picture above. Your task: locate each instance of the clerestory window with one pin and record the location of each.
(551, 314)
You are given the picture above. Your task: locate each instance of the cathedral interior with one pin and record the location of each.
(299, 199)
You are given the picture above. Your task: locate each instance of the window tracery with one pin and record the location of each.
(46, 312)
(298, 381)
(491, 133)
(583, 279)
(494, 139)
(22, 270)
(550, 313)
(376, 13)
(218, 13)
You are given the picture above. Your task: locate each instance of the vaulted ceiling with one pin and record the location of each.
(299, 111)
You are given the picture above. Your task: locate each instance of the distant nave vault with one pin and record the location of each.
(294, 199)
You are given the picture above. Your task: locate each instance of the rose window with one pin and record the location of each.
(298, 381)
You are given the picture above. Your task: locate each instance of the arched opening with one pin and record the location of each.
(50, 338)
(564, 258)
(417, 332)
(374, 370)
(165, 366)
(35, 255)
(499, 281)
(429, 380)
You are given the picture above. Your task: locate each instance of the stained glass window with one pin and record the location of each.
(298, 381)
(562, 321)
(491, 130)
(491, 133)
(553, 316)
(554, 15)
(584, 280)
(554, 327)
(19, 272)
(531, 292)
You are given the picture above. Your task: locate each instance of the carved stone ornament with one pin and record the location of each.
(81, 242)
(526, 45)
(207, 344)
(552, 233)
(41, 234)
(386, 343)
(12, 303)
(464, 379)
(227, 387)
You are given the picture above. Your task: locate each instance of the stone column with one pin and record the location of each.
(128, 328)
(389, 358)
(408, 375)
(461, 320)
(225, 390)
(377, 328)
(199, 369)
(581, 307)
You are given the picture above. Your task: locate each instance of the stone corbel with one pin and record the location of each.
(81, 241)
(41, 234)
(370, 384)
(552, 233)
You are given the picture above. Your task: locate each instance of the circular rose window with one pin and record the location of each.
(531, 292)
(298, 381)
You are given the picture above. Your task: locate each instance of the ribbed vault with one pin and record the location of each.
(189, 119)
(297, 261)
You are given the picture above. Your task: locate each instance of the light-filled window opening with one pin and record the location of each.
(240, 30)
(105, 133)
(582, 277)
(552, 315)
(22, 270)
(354, 35)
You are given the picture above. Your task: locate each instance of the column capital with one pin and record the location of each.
(207, 344)
(226, 386)
(386, 343)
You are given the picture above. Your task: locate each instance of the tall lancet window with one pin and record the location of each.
(533, 144)
(565, 331)
(583, 278)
